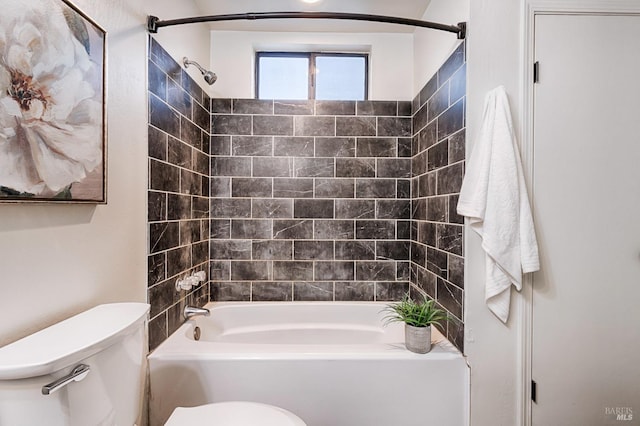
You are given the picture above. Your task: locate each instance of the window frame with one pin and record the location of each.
(311, 84)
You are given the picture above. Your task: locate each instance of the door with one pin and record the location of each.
(586, 201)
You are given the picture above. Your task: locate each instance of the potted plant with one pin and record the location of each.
(417, 317)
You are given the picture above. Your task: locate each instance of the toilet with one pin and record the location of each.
(90, 370)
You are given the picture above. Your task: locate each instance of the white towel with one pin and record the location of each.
(494, 198)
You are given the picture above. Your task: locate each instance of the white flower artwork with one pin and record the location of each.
(52, 129)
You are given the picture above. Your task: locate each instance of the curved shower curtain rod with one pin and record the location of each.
(153, 22)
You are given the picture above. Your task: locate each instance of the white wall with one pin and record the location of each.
(493, 349)
(58, 260)
(233, 53)
(431, 47)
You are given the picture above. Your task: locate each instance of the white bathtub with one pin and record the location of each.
(331, 363)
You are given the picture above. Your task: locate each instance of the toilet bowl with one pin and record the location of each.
(236, 413)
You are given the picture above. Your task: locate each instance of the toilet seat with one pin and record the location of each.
(235, 413)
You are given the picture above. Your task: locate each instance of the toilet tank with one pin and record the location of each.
(110, 339)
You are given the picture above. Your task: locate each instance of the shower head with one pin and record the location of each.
(209, 76)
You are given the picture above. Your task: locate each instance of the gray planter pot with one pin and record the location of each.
(417, 339)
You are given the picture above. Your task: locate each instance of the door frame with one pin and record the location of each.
(530, 9)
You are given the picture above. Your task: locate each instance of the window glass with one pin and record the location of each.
(340, 77)
(283, 77)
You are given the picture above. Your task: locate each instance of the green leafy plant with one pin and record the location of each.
(415, 313)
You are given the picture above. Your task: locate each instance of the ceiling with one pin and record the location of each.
(413, 9)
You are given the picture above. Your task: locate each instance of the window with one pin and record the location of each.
(322, 76)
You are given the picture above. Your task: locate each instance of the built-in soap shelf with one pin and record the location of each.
(191, 281)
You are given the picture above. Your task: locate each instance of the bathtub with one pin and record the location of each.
(331, 363)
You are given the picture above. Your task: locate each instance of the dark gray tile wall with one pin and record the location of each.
(178, 196)
(438, 153)
(310, 200)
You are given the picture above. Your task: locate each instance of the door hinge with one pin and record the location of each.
(534, 391)
(536, 71)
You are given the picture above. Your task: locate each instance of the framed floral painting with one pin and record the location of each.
(52, 103)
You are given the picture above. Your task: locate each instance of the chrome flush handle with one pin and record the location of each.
(78, 373)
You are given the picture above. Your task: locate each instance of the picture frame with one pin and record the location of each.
(53, 127)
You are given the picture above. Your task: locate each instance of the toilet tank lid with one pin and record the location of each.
(70, 341)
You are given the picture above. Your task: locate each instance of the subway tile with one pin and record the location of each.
(293, 146)
(272, 125)
(437, 209)
(314, 126)
(250, 270)
(404, 147)
(293, 188)
(230, 166)
(334, 270)
(178, 207)
(428, 136)
(231, 124)
(157, 143)
(449, 238)
(437, 262)
(457, 147)
(190, 183)
(220, 106)
(271, 291)
(391, 291)
(163, 236)
(388, 108)
(375, 230)
(157, 81)
(352, 167)
(231, 208)
(156, 206)
(220, 187)
(293, 270)
(375, 271)
(354, 291)
(270, 208)
(450, 179)
(393, 209)
(456, 270)
(429, 89)
(335, 107)
(451, 121)
(335, 147)
(394, 126)
(315, 291)
(220, 145)
(403, 189)
(156, 268)
(403, 229)
(418, 254)
(178, 98)
(178, 260)
(458, 84)
(439, 102)
(272, 250)
(293, 229)
(199, 253)
(427, 233)
(419, 164)
(355, 209)
(455, 333)
(230, 249)
(252, 187)
(314, 167)
(313, 250)
(334, 188)
(220, 228)
(252, 106)
(201, 163)
(190, 86)
(427, 184)
(405, 109)
(251, 146)
(163, 117)
(376, 147)
(157, 330)
(355, 126)
(190, 232)
(454, 217)
(230, 291)
(166, 63)
(419, 209)
(251, 229)
(272, 167)
(453, 63)
(355, 250)
(438, 156)
(333, 229)
(220, 270)
(303, 208)
(402, 271)
(392, 250)
(375, 188)
(200, 208)
(450, 297)
(420, 119)
(394, 167)
(293, 107)
(426, 281)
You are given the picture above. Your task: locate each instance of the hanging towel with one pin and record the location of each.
(494, 198)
